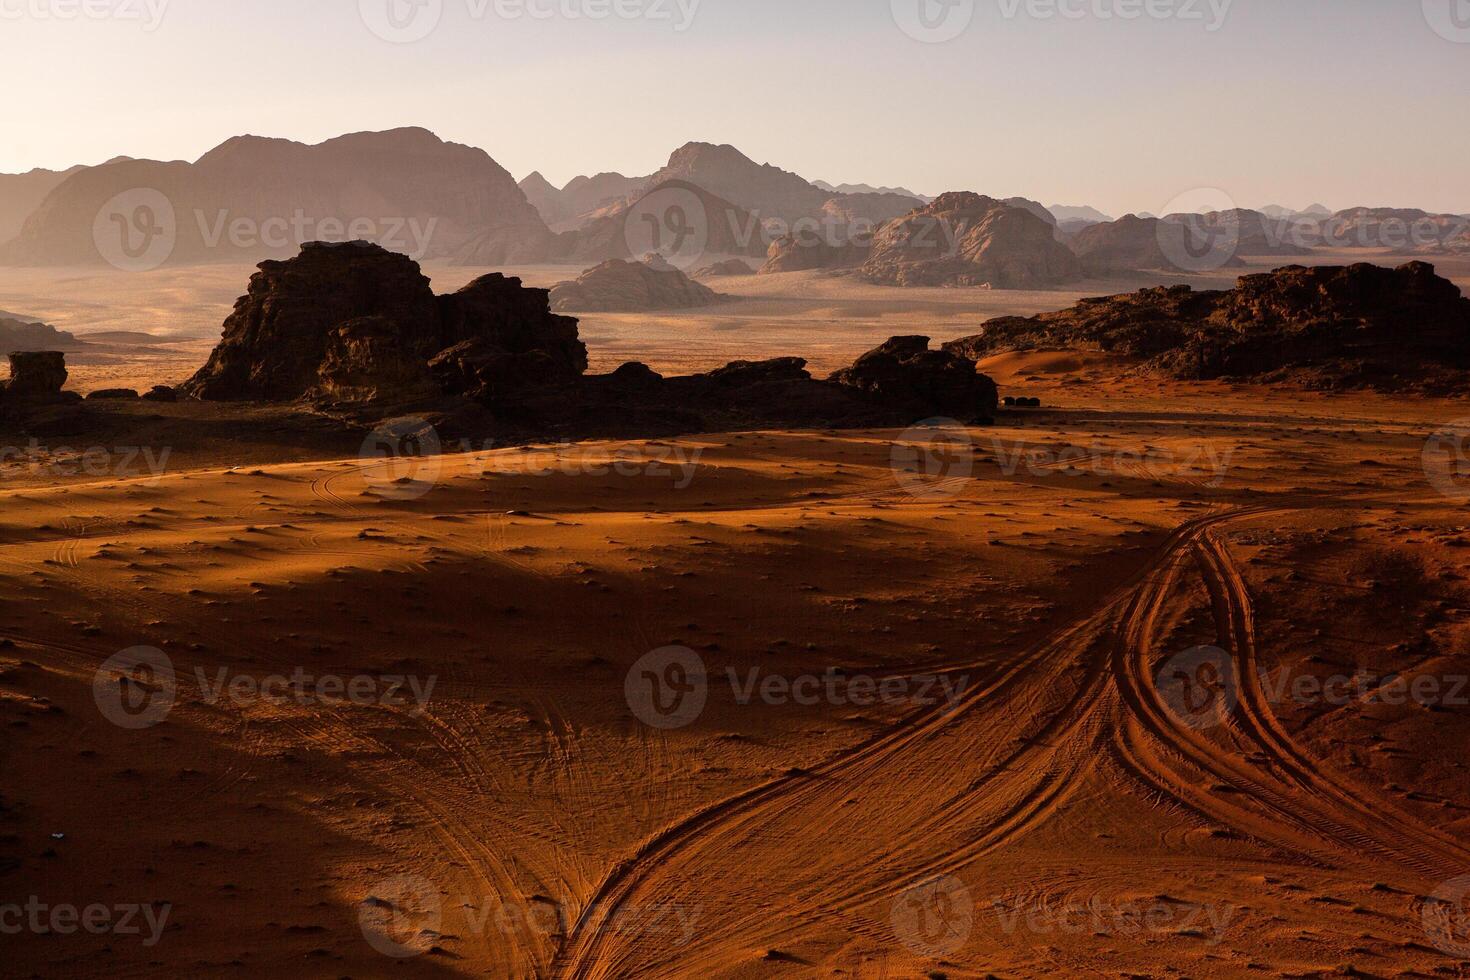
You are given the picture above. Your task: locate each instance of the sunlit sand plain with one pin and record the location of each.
(1028, 804)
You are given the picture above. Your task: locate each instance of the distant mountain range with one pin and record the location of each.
(253, 197)
(870, 189)
(408, 190)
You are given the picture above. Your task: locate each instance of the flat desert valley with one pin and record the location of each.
(863, 703)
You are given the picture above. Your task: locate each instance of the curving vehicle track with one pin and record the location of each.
(1027, 734)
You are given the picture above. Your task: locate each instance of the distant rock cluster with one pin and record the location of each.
(1337, 327)
(958, 239)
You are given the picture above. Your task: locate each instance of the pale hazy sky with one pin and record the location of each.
(1345, 102)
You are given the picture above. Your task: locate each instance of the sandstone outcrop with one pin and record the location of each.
(683, 218)
(1336, 327)
(729, 267)
(804, 252)
(966, 239)
(36, 377)
(904, 371)
(1133, 244)
(372, 358)
(356, 322)
(617, 286)
(898, 384)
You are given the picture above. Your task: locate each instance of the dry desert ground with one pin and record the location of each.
(1126, 686)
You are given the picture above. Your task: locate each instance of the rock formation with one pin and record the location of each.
(581, 200)
(1402, 230)
(966, 239)
(803, 252)
(1359, 326)
(729, 267)
(703, 225)
(372, 358)
(1243, 232)
(727, 173)
(1133, 244)
(36, 377)
(904, 371)
(897, 385)
(627, 287)
(357, 322)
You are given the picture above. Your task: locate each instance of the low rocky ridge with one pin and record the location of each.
(616, 286)
(358, 328)
(22, 334)
(1333, 327)
(967, 239)
(898, 385)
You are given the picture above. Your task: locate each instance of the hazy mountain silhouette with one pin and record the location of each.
(252, 197)
(21, 194)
